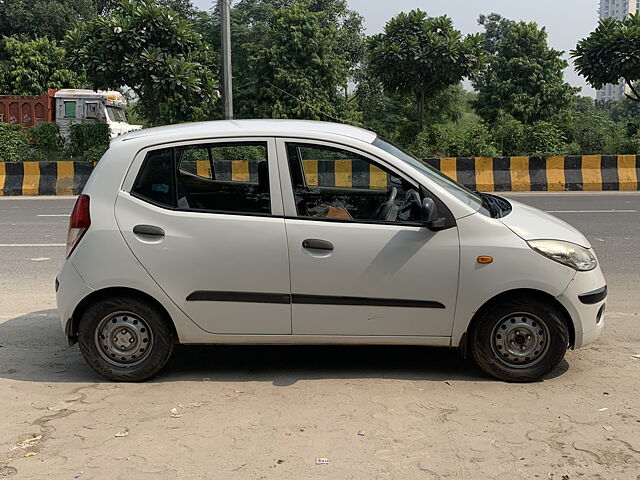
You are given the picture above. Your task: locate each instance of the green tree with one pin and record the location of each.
(253, 29)
(297, 67)
(155, 53)
(469, 137)
(513, 137)
(184, 8)
(509, 135)
(13, 143)
(422, 56)
(543, 139)
(43, 18)
(611, 52)
(523, 76)
(33, 66)
(394, 115)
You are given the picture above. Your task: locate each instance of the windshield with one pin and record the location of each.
(116, 114)
(462, 193)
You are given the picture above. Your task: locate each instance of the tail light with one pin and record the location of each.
(79, 223)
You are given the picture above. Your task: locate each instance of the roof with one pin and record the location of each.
(80, 93)
(253, 128)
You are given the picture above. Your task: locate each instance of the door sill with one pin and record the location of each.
(318, 340)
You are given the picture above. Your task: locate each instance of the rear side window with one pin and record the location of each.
(155, 180)
(223, 178)
(216, 178)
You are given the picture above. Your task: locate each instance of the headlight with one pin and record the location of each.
(567, 253)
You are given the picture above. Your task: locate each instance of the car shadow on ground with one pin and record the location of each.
(33, 348)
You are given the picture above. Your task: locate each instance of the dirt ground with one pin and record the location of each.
(271, 412)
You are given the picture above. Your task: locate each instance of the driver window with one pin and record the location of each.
(337, 184)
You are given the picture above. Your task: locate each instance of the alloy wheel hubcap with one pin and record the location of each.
(520, 340)
(123, 339)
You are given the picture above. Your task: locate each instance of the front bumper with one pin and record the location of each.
(585, 299)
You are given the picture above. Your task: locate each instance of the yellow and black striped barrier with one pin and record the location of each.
(555, 174)
(43, 178)
(525, 174)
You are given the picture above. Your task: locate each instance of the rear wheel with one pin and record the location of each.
(519, 340)
(125, 338)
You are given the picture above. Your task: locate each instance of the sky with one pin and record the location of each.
(567, 21)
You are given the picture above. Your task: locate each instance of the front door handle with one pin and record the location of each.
(148, 231)
(315, 244)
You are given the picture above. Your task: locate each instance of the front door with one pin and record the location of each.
(205, 223)
(362, 264)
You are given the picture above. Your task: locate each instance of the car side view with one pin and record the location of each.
(300, 232)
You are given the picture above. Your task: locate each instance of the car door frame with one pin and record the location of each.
(277, 207)
(290, 212)
(277, 212)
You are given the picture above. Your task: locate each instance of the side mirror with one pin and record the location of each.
(429, 213)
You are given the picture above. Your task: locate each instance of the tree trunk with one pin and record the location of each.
(420, 106)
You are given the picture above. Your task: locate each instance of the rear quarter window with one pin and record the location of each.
(155, 179)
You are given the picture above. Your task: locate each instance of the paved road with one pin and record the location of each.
(269, 412)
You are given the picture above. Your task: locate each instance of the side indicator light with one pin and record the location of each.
(484, 260)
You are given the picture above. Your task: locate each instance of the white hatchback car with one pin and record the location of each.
(295, 232)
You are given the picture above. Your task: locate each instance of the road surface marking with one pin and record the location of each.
(591, 211)
(40, 259)
(54, 215)
(33, 244)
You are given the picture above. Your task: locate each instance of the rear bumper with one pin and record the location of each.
(585, 299)
(70, 290)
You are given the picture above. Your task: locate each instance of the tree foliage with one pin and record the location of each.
(295, 67)
(421, 56)
(155, 53)
(255, 30)
(523, 77)
(466, 138)
(31, 67)
(611, 52)
(43, 18)
(13, 143)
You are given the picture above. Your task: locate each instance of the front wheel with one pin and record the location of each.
(519, 340)
(125, 338)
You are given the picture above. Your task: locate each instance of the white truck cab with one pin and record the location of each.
(88, 106)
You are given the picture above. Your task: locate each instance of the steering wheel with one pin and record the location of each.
(388, 210)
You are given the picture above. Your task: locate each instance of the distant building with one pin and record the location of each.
(618, 9)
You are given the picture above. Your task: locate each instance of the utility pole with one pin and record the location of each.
(226, 59)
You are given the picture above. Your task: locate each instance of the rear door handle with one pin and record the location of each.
(148, 231)
(315, 244)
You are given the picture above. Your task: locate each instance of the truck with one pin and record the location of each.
(67, 107)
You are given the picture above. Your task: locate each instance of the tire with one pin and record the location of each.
(519, 340)
(125, 339)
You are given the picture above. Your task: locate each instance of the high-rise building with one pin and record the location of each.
(618, 9)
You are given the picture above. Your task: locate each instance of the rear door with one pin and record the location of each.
(205, 220)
